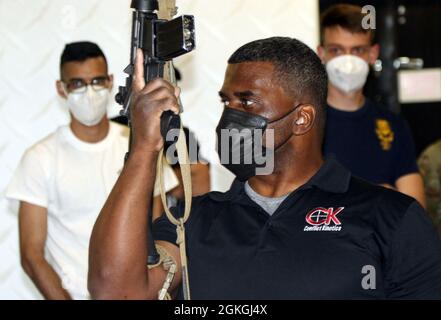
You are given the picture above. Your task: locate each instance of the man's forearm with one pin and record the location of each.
(118, 247)
(45, 279)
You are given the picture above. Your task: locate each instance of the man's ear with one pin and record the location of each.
(60, 89)
(321, 53)
(374, 53)
(305, 118)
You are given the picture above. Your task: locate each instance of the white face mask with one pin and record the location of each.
(347, 72)
(88, 107)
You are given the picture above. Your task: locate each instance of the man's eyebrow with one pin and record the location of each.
(334, 45)
(242, 94)
(75, 79)
(82, 79)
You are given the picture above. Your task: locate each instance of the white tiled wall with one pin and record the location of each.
(32, 36)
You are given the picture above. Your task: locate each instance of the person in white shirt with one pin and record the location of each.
(63, 181)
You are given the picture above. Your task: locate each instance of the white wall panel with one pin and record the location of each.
(32, 36)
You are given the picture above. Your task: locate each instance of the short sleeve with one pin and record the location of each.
(413, 265)
(430, 168)
(405, 162)
(30, 180)
(163, 229)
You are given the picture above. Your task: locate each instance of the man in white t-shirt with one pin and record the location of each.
(63, 181)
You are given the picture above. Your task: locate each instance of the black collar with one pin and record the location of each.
(331, 177)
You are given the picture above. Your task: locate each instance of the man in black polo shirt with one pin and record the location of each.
(306, 230)
(372, 142)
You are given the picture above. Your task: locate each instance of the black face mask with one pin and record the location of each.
(239, 143)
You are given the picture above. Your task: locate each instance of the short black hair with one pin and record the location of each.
(348, 16)
(298, 69)
(80, 51)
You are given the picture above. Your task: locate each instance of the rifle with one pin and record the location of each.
(161, 40)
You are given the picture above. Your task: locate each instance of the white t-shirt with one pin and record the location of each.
(72, 179)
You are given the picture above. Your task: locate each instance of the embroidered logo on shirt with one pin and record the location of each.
(384, 134)
(323, 219)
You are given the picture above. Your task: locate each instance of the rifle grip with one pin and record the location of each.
(169, 121)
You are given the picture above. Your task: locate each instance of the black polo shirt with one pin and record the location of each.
(336, 237)
(372, 142)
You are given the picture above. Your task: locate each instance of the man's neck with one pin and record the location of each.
(290, 173)
(92, 134)
(345, 101)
